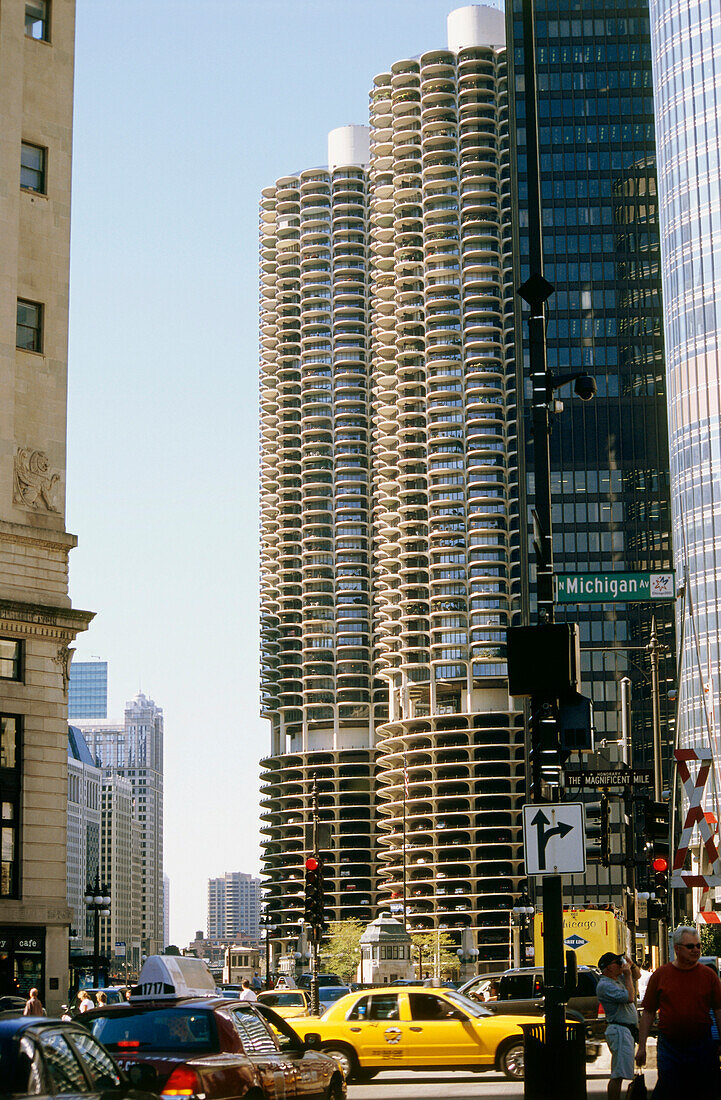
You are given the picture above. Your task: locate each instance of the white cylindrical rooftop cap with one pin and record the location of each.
(476, 25)
(349, 145)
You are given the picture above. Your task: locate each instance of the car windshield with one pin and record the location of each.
(180, 1029)
(283, 1000)
(473, 1008)
(330, 993)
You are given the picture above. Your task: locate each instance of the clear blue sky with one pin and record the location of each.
(184, 111)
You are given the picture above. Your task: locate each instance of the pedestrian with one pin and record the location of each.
(33, 1005)
(246, 994)
(86, 1002)
(617, 994)
(685, 994)
(102, 999)
(256, 984)
(644, 977)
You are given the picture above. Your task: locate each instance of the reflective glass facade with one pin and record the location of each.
(686, 39)
(609, 457)
(88, 689)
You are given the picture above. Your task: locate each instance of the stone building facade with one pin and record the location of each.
(37, 621)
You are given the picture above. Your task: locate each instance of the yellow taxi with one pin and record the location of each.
(417, 1027)
(288, 1003)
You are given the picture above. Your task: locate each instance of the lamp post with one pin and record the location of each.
(523, 910)
(469, 957)
(97, 902)
(268, 930)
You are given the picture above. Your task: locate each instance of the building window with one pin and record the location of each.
(10, 659)
(9, 806)
(32, 167)
(37, 19)
(29, 328)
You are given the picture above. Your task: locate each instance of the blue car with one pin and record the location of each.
(41, 1057)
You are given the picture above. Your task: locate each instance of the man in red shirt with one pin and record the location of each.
(684, 993)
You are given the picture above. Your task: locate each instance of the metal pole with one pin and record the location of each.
(96, 947)
(405, 841)
(536, 291)
(630, 832)
(653, 650)
(626, 743)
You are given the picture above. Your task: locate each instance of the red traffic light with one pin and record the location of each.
(660, 864)
(311, 864)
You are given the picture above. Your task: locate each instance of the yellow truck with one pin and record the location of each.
(588, 932)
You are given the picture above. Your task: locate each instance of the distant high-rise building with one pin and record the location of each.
(317, 683)
(135, 750)
(601, 247)
(88, 689)
(121, 841)
(686, 39)
(37, 621)
(234, 908)
(84, 825)
(388, 473)
(166, 910)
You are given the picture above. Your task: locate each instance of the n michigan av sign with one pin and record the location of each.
(614, 587)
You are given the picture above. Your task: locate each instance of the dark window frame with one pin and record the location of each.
(38, 18)
(22, 327)
(41, 172)
(18, 661)
(11, 794)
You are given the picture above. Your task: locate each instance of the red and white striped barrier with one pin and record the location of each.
(695, 816)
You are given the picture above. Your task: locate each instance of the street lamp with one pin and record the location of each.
(97, 902)
(268, 931)
(523, 910)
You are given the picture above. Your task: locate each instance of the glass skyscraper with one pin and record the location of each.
(686, 39)
(609, 457)
(88, 689)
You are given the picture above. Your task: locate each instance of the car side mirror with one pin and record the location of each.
(142, 1076)
(312, 1041)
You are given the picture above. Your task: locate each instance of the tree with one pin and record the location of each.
(430, 944)
(340, 954)
(171, 949)
(710, 939)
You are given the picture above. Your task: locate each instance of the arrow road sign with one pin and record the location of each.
(554, 839)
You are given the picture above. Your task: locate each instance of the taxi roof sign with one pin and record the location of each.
(174, 976)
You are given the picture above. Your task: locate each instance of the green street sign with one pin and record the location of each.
(614, 587)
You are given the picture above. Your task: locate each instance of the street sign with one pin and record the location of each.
(634, 777)
(554, 840)
(119, 949)
(614, 587)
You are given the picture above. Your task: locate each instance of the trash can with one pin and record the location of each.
(549, 1073)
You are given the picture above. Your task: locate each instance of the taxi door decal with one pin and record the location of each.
(392, 1034)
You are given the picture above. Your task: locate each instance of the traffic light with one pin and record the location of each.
(659, 864)
(656, 824)
(314, 894)
(598, 830)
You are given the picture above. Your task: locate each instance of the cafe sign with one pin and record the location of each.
(614, 587)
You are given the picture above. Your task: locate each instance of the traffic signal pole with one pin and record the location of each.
(317, 906)
(535, 291)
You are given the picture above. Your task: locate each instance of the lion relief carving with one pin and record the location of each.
(34, 484)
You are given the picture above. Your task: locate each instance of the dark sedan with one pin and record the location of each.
(215, 1048)
(40, 1057)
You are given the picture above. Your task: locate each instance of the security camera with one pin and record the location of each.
(585, 387)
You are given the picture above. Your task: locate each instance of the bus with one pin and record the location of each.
(240, 962)
(589, 932)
